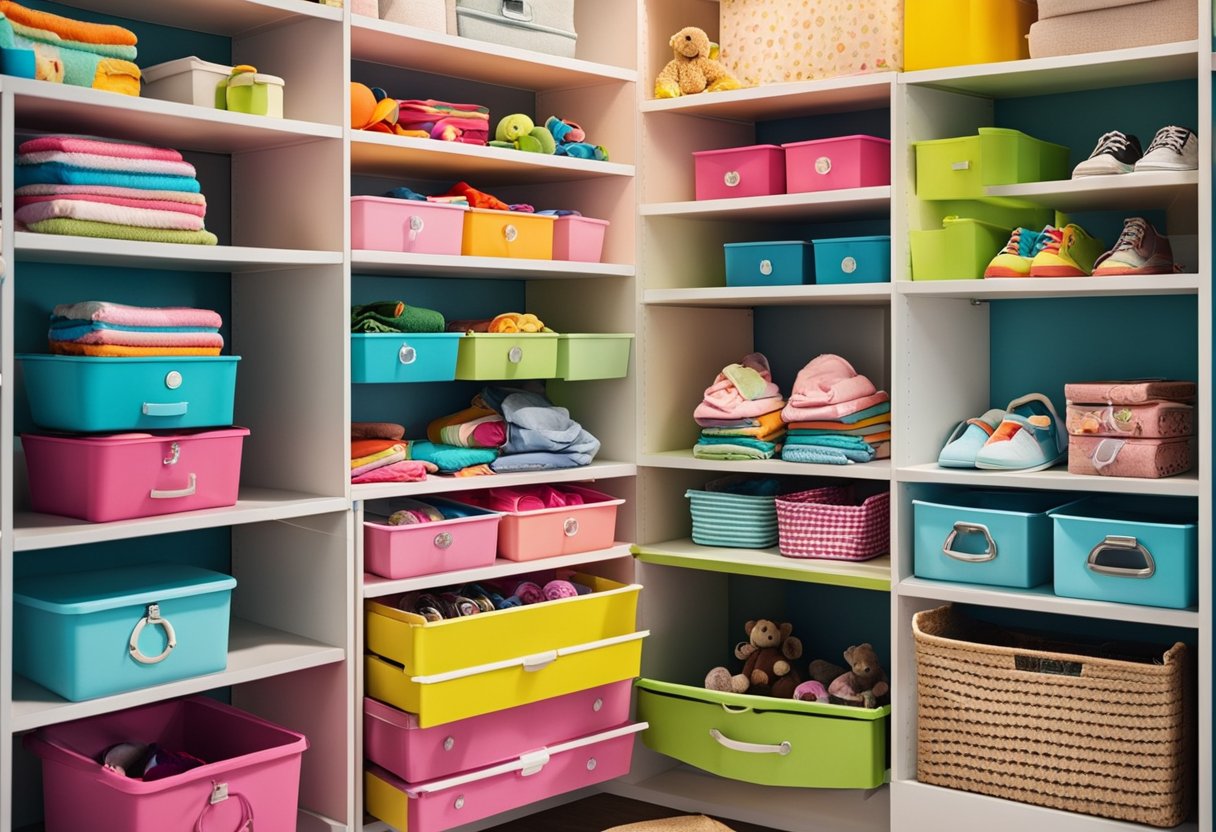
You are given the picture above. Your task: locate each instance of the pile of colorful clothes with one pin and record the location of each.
(112, 330)
(70, 51)
(836, 416)
(379, 453)
(430, 119)
(740, 413)
(389, 316)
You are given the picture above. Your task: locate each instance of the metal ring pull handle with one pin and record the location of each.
(407, 354)
(188, 491)
(1121, 543)
(749, 747)
(152, 619)
(219, 794)
(967, 557)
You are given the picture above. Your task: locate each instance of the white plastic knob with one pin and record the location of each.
(848, 265)
(766, 267)
(173, 380)
(732, 178)
(511, 233)
(823, 165)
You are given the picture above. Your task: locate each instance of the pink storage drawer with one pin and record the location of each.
(126, 475)
(252, 771)
(1151, 420)
(393, 740)
(546, 772)
(579, 238)
(380, 223)
(1130, 392)
(833, 164)
(427, 548)
(549, 532)
(740, 171)
(1141, 458)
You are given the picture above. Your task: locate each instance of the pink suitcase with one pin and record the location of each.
(549, 532)
(427, 548)
(1151, 420)
(833, 164)
(126, 475)
(579, 238)
(1130, 392)
(384, 224)
(740, 172)
(1140, 458)
(393, 740)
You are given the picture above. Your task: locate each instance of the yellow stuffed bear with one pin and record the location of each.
(692, 70)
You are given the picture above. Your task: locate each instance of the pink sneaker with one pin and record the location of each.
(1140, 250)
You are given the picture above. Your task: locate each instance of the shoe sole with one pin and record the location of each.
(1164, 167)
(1121, 169)
(1154, 269)
(1042, 467)
(999, 272)
(1056, 271)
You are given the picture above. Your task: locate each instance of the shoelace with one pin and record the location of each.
(1170, 137)
(1133, 232)
(1054, 237)
(1111, 143)
(1014, 246)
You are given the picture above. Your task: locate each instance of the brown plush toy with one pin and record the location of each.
(865, 685)
(692, 70)
(766, 659)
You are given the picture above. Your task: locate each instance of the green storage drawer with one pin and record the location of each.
(507, 357)
(801, 744)
(589, 356)
(960, 168)
(960, 250)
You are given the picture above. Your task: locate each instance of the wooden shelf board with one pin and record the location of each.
(59, 108)
(1042, 599)
(375, 586)
(87, 251)
(254, 652)
(869, 294)
(1054, 479)
(879, 469)
(853, 203)
(1135, 191)
(379, 154)
(1051, 287)
(772, 101)
(768, 563)
(446, 485)
(218, 17)
(256, 505)
(393, 263)
(395, 44)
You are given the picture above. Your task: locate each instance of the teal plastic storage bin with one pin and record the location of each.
(1142, 551)
(786, 263)
(86, 395)
(853, 260)
(377, 358)
(999, 538)
(89, 634)
(735, 512)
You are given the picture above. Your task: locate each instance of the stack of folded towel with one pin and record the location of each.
(740, 413)
(464, 123)
(97, 188)
(474, 427)
(112, 330)
(836, 416)
(388, 316)
(72, 51)
(378, 453)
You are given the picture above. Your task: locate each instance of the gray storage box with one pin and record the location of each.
(538, 25)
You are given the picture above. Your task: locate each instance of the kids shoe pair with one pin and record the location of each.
(1028, 436)
(1071, 252)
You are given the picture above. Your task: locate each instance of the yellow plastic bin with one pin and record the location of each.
(508, 234)
(960, 250)
(957, 32)
(961, 168)
(507, 356)
(588, 356)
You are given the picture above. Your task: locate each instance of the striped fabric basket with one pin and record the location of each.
(721, 516)
(829, 523)
(1059, 725)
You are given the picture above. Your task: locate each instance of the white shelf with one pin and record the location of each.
(391, 263)
(1134, 191)
(219, 17)
(375, 587)
(876, 294)
(853, 203)
(87, 251)
(879, 469)
(773, 101)
(254, 652)
(256, 505)
(379, 154)
(1054, 479)
(1051, 287)
(447, 485)
(1042, 599)
(395, 44)
(768, 563)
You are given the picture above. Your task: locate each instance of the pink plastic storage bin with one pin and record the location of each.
(426, 548)
(394, 741)
(384, 224)
(579, 238)
(252, 771)
(542, 773)
(127, 475)
(832, 164)
(740, 171)
(549, 532)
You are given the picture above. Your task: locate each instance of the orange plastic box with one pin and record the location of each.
(549, 532)
(507, 234)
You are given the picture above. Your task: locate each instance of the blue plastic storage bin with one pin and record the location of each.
(90, 634)
(391, 358)
(87, 395)
(1133, 552)
(853, 260)
(788, 263)
(735, 512)
(999, 538)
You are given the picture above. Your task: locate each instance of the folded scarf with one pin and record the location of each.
(362, 449)
(113, 214)
(376, 430)
(66, 27)
(379, 461)
(126, 202)
(98, 161)
(88, 228)
(743, 390)
(792, 414)
(122, 338)
(767, 426)
(120, 314)
(394, 316)
(54, 173)
(737, 441)
(188, 201)
(813, 454)
(409, 470)
(730, 452)
(448, 458)
(117, 351)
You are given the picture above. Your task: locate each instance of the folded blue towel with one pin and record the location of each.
(57, 173)
(63, 329)
(825, 455)
(535, 461)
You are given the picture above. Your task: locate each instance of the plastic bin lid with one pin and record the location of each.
(80, 593)
(114, 362)
(183, 65)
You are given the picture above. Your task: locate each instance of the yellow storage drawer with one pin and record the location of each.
(961, 32)
(507, 234)
(511, 356)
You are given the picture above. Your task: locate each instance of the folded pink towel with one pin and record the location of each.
(832, 411)
(184, 197)
(829, 379)
(133, 338)
(117, 313)
(101, 212)
(411, 470)
(724, 400)
(147, 204)
(97, 162)
(78, 144)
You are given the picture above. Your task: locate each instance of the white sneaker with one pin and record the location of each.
(1173, 148)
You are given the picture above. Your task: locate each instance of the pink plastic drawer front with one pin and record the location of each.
(833, 164)
(740, 172)
(122, 476)
(394, 741)
(1151, 420)
(546, 772)
(549, 532)
(428, 548)
(579, 238)
(384, 224)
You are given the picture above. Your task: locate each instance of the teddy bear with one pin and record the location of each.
(864, 684)
(767, 657)
(692, 70)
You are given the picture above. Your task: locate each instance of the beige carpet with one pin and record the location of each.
(690, 823)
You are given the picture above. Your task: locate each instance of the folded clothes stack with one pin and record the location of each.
(379, 453)
(98, 188)
(540, 435)
(112, 330)
(70, 51)
(836, 416)
(464, 123)
(474, 427)
(740, 413)
(387, 316)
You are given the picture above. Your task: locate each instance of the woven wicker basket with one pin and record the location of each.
(1018, 717)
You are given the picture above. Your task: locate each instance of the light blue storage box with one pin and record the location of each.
(89, 634)
(853, 260)
(999, 538)
(1133, 552)
(788, 263)
(86, 395)
(390, 358)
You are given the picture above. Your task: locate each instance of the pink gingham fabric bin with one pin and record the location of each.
(830, 523)
(735, 172)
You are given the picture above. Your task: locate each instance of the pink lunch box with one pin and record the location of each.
(579, 238)
(1140, 458)
(832, 164)
(126, 475)
(740, 172)
(1130, 392)
(1151, 420)
(384, 224)
(549, 532)
(427, 548)
(393, 740)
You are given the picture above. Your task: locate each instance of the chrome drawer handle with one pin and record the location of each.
(152, 618)
(966, 557)
(1123, 544)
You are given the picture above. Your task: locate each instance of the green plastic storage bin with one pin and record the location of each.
(589, 356)
(960, 250)
(960, 168)
(507, 357)
(759, 739)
